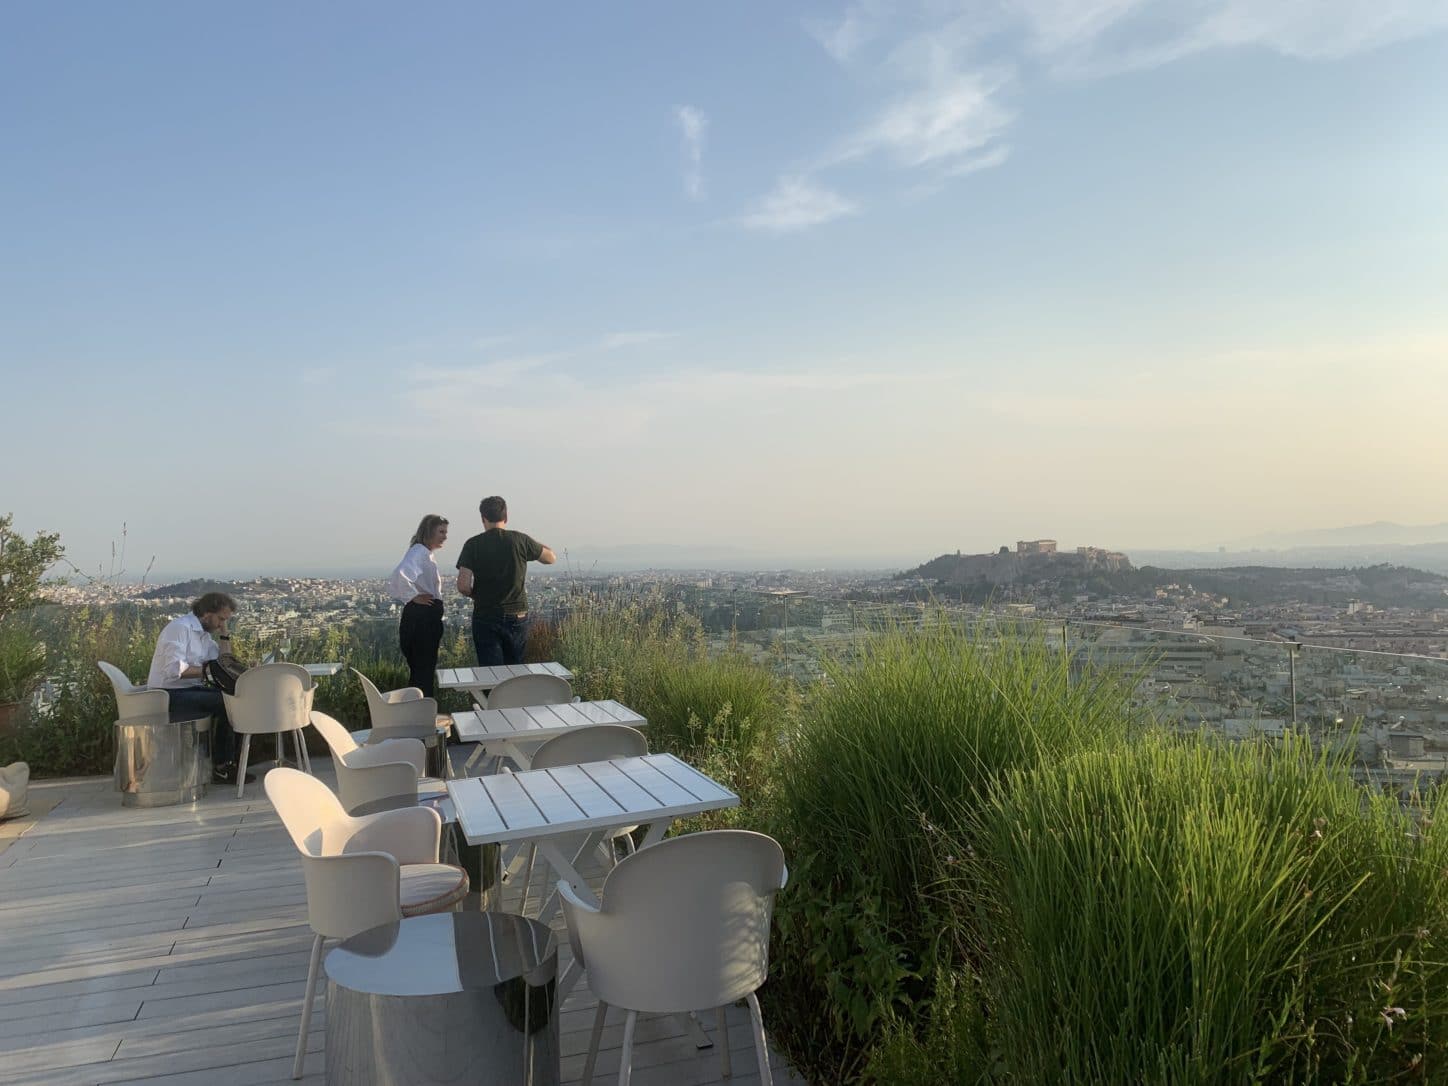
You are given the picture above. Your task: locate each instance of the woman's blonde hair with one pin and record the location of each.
(425, 529)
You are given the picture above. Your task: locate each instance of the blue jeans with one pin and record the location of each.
(500, 640)
(193, 702)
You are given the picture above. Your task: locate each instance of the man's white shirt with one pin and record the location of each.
(182, 644)
(416, 573)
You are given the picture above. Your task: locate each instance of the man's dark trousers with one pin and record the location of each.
(501, 640)
(194, 702)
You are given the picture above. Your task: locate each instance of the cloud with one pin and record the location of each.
(796, 204)
(614, 340)
(501, 374)
(639, 408)
(947, 122)
(1102, 37)
(692, 126)
(950, 70)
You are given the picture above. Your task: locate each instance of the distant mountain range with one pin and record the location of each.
(1422, 546)
(1378, 533)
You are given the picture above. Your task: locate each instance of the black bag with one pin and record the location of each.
(223, 672)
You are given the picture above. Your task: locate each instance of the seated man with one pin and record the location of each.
(183, 648)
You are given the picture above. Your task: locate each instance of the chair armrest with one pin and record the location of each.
(402, 695)
(389, 752)
(139, 703)
(351, 893)
(580, 915)
(411, 836)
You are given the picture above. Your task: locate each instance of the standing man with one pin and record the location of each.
(491, 570)
(182, 651)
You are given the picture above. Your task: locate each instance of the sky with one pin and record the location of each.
(832, 283)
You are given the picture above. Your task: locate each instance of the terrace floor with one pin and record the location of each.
(170, 946)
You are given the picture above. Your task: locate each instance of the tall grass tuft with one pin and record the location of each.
(895, 750)
(1185, 912)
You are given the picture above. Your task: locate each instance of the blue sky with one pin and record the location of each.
(848, 282)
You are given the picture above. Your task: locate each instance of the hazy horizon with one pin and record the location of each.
(1149, 275)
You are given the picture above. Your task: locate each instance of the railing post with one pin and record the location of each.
(1066, 651)
(1292, 647)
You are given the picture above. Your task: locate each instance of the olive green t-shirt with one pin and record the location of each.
(499, 561)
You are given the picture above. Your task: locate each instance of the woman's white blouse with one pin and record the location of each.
(417, 572)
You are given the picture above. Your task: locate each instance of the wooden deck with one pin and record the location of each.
(170, 946)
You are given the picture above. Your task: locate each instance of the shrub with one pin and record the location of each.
(894, 749)
(1181, 912)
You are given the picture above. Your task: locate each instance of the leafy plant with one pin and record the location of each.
(22, 662)
(23, 562)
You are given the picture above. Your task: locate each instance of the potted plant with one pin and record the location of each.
(22, 666)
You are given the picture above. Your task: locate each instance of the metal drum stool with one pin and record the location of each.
(160, 762)
(444, 998)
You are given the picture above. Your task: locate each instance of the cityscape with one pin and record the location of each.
(1366, 669)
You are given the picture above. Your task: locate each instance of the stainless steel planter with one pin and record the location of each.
(160, 762)
(444, 998)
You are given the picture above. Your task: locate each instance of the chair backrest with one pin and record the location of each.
(312, 815)
(684, 923)
(120, 683)
(530, 690)
(375, 701)
(339, 739)
(345, 893)
(594, 743)
(270, 698)
(134, 701)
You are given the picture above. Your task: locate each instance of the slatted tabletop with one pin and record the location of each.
(483, 679)
(544, 803)
(540, 721)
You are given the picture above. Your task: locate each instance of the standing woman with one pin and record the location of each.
(417, 585)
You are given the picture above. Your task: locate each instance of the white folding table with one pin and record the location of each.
(479, 680)
(499, 731)
(322, 671)
(539, 806)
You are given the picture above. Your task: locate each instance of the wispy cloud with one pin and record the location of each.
(796, 204)
(615, 340)
(640, 407)
(950, 120)
(1100, 37)
(692, 127)
(951, 70)
(499, 374)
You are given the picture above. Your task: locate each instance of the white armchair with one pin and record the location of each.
(595, 743)
(134, 701)
(530, 690)
(360, 872)
(397, 714)
(386, 770)
(683, 926)
(270, 698)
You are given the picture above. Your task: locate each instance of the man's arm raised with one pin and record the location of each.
(547, 557)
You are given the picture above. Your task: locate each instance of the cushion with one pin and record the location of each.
(431, 888)
(14, 786)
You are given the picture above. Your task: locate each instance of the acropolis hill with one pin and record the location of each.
(1033, 559)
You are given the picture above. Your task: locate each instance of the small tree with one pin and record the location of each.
(22, 565)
